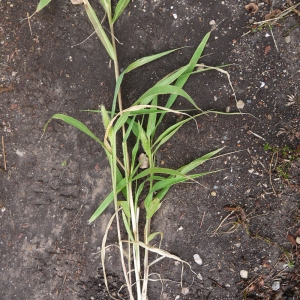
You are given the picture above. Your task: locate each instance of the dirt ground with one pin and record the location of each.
(244, 218)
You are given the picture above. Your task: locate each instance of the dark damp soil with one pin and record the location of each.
(50, 186)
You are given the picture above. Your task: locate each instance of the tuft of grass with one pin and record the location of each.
(135, 176)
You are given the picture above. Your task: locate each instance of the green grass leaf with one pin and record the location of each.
(153, 235)
(152, 208)
(151, 124)
(119, 9)
(42, 4)
(75, 123)
(180, 82)
(107, 6)
(168, 133)
(199, 161)
(125, 207)
(127, 226)
(161, 90)
(99, 30)
(138, 63)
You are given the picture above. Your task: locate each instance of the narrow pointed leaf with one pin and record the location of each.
(125, 207)
(107, 6)
(151, 120)
(161, 90)
(153, 235)
(167, 134)
(99, 30)
(180, 82)
(127, 226)
(138, 63)
(119, 9)
(152, 208)
(42, 4)
(77, 124)
(197, 162)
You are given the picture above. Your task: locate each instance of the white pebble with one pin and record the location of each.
(20, 153)
(185, 291)
(240, 104)
(198, 259)
(244, 274)
(287, 39)
(276, 286)
(175, 16)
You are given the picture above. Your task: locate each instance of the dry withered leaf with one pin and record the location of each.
(267, 49)
(291, 239)
(252, 8)
(4, 89)
(272, 14)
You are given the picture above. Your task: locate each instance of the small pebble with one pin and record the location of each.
(240, 104)
(287, 39)
(214, 194)
(244, 274)
(276, 286)
(20, 153)
(185, 291)
(198, 259)
(213, 24)
(227, 109)
(175, 16)
(298, 240)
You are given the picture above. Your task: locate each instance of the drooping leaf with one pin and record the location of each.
(77, 124)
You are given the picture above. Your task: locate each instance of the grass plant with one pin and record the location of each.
(136, 175)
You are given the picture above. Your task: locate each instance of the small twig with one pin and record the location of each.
(255, 134)
(3, 153)
(270, 175)
(28, 18)
(202, 220)
(251, 282)
(273, 37)
(84, 40)
(62, 286)
(215, 231)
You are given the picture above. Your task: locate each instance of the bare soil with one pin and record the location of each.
(50, 186)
